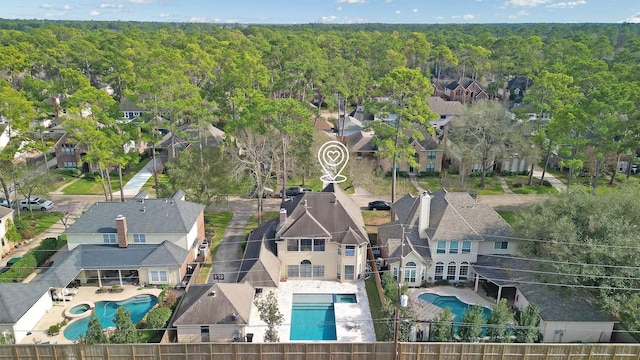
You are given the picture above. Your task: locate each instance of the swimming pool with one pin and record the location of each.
(138, 306)
(313, 316)
(458, 307)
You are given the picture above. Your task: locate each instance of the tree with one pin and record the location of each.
(157, 318)
(442, 327)
(485, 132)
(406, 320)
(408, 92)
(528, 320)
(498, 323)
(271, 315)
(471, 328)
(95, 333)
(125, 332)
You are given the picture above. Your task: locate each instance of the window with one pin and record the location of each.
(464, 271)
(439, 270)
(69, 164)
(292, 245)
(318, 271)
(441, 247)
(500, 245)
(350, 251)
(349, 271)
(318, 244)
(453, 247)
(68, 149)
(139, 238)
(423, 274)
(159, 276)
(431, 154)
(305, 269)
(339, 250)
(431, 167)
(395, 273)
(466, 247)
(410, 272)
(451, 271)
(293, 271)
(109, 238)
(306, 244)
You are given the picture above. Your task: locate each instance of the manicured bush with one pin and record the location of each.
(158, 318)
(429, 174)
(20, 269)
(92, 175)
(69, 171)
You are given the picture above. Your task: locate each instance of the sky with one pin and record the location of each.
(329, 11)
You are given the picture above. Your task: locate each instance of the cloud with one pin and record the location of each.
(95, 13)
(414, 10)
(339, 8)
(464, 17)
(110, 6)
(351, 1)
(67, 7)
(397, 12)
(47, 6)
(388, 1)
(194, 19)
(141, 1)
(633, 19)
(163, 15)
(566, 5)
(329, 18)
(526, 3)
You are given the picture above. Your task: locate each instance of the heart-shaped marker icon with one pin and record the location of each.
(333, 157)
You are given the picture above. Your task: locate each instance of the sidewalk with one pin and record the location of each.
(133, 186)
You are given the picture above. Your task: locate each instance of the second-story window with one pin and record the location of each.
(306, 244)
(466, 247)
(441, 247)
(139, 238)
(453, 247)
(109, 238)
(318, 244)
(350, 250)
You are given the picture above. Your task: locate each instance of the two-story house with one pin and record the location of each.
(70, 152)
(437, 236)
(6, 217)
(318, 235)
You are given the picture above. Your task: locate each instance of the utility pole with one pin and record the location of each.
(397, 317)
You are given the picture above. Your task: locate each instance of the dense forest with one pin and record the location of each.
(258, 83)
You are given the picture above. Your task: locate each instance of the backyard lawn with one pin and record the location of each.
(215, 222)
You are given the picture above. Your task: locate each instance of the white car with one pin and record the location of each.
(36, 204)
(4, 202)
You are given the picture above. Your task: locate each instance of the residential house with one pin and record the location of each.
(130, 110)
(172, 227)
(151, 241)
(428, 153)
(70, 152)
(448, 110)
(566, 315)
(171, 144)
(464, 90)
(517, 88)
(437, 236)
(6, 217)
(218, 312)
(318, 235)
(360, 145)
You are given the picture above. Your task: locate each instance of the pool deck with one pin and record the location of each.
(353, 321)
(426, 311)
(85, 294)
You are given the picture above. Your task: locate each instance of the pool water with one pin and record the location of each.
(138, 306)
(79, 309)
(313, 316)
(457, 306)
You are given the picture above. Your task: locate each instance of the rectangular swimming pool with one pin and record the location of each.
(313, 315)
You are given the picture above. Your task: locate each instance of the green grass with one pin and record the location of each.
(215, 222)
(375, 306)
(372, 219)
(508, 216)
(87, 187)
(430, 183)
(518, 184)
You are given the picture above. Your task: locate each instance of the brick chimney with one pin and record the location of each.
(283, 216)
(121, 230)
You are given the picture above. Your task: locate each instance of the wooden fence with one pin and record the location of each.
(323, 351)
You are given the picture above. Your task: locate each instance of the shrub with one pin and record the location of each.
(92, 175)
(158, 318)
(53, 329)
(403, 174)
(442, 282)
(69, 171)
(429, 174)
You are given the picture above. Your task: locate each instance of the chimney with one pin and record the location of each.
(283, 216)
(425, 212)
(121, 230)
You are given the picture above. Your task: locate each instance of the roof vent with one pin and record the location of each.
(212, 294)
(144, 209)
(142, 200)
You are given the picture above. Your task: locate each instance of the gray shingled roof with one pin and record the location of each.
(200, 307)
(444, 107)
(144, 216)
(331, 209)
(260, 267)
(17, 299)
(556, 304)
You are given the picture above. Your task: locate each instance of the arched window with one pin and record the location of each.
(305, 269)
(464, 271)
(410, 272)
(439, 271)
(451, 270)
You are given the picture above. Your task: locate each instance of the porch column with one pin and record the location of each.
(477, 282)
(99, 279)
(120, 277)
(499, 293)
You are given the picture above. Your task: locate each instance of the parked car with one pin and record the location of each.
(293, 191)
(379, 205)
(266, 193)
(36, 204)
(4, 202)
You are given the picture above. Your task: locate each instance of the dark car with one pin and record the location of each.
(293, 191)
(379, 205)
